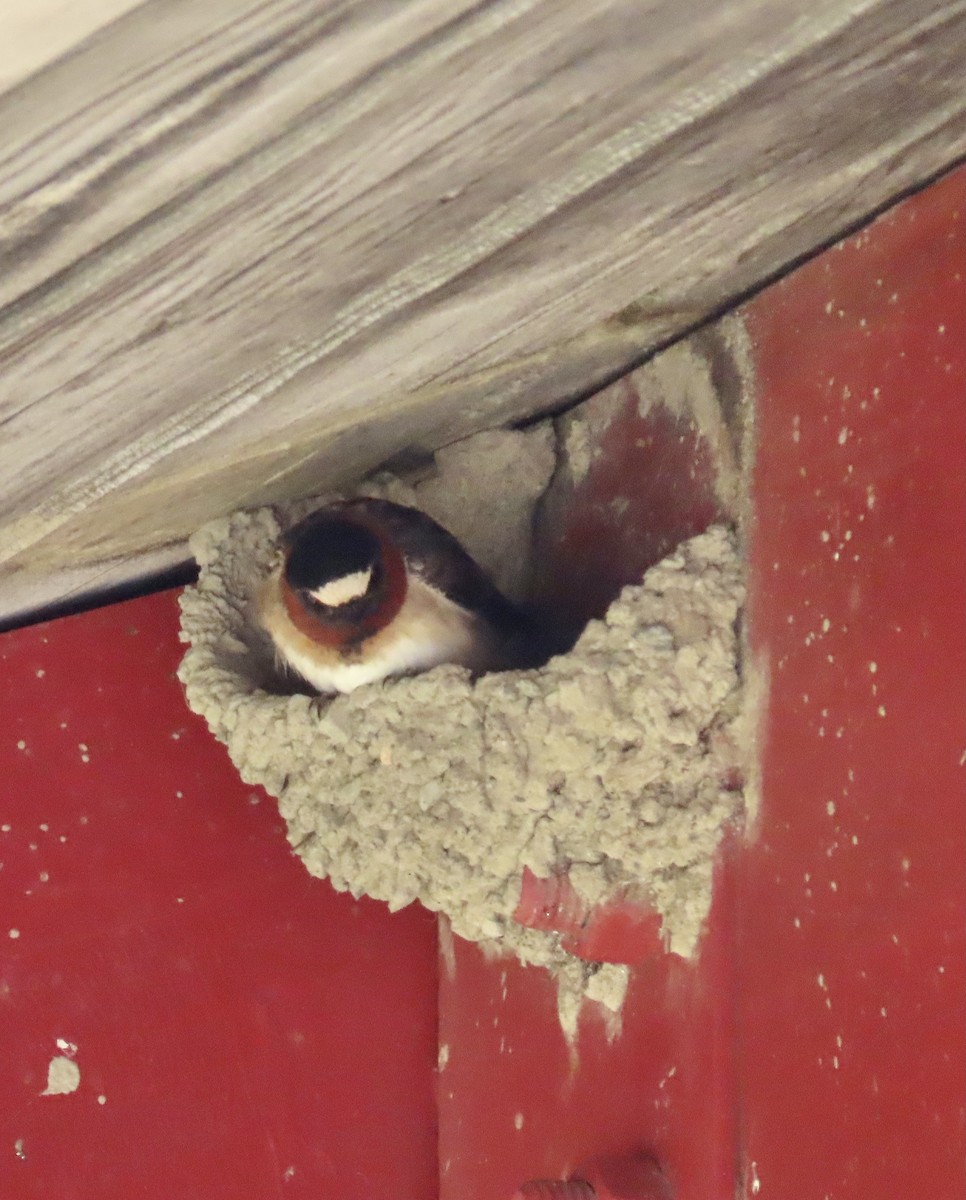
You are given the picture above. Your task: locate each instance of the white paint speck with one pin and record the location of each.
(41, 672)
(518, 1121)
(4, 828)
(830, 808)
(755, 1181)
(63, 1076)
(881, 710)
(19, 1150)
(825, 535)
(13, 933)
(102, 1099)
(21, 745)
(873, 667)
(843, 435)
(44, 827)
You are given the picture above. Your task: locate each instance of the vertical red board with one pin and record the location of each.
(241, 1030)
(853, 894)
(518, 1101)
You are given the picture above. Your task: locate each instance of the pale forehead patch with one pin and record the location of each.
(341, 591)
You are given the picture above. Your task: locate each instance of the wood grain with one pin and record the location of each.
(254, 249)
(35, 34)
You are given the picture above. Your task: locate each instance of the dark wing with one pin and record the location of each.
(437, 557)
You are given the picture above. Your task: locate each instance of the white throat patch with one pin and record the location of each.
(341, 591)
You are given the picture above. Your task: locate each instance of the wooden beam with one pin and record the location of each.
(254, 249)
(33, 35)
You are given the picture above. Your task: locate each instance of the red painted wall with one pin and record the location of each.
(852, 1061)
(241, 1030)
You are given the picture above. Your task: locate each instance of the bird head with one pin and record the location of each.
(343, 578)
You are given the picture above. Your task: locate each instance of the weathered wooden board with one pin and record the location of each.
(254, 249)
(34, 34)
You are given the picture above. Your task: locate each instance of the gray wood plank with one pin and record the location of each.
(35, 34)
(253, 249)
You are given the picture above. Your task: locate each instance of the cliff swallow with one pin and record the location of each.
(368, 589)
